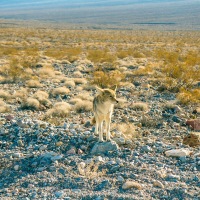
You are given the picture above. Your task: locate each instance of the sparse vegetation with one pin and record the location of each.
(104, 79)
(139, 106)
(4, 108)
(60, 91)
(30, 104)
(83, 106)
(60, 109)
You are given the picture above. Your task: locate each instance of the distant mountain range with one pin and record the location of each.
(171, 14)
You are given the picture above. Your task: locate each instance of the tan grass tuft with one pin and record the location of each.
(60, 109)
(83, 106)
(4, 108)
(4, 95)
(30, 104)
(33, 84)
(60, 91)
(139, 106)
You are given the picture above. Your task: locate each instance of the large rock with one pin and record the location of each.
(178, 152)
(104, 147)
(192, 140)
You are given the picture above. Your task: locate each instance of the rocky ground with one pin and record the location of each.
(39, 160)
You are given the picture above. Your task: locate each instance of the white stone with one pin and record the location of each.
(16, 167)
(178, 152)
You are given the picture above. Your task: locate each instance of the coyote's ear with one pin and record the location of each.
(99, 89)
(114, 87)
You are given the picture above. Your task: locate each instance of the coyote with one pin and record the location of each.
(103, 105)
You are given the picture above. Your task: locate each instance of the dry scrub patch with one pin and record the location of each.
(83, 106)
(59, 91)
(60, 109)
(4, 95)
(4, 108)
(30, 104)
(139, 106)
(33, 84)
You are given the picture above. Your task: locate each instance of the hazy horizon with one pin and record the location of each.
(169, 13)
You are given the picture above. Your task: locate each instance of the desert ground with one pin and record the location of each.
(48, 147)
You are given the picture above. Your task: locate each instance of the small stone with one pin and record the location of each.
(59, 194)
(173, 178)
(87, 124)
(72, 151)
(17, 155)
(43, 147)
(120, 179)
(58, 144)
(158, 184)
(99, 159)
(131, 184)
(20, 143)
(146, 148)
(178, 152)
(16, 167)
(80, 152)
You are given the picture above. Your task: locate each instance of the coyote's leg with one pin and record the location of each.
(100, 131)
(108, 120)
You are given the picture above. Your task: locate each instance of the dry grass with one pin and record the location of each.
(106, 80)
(33, 84)
(60, 109)
(71, 53)
(4, 108)
(60, 91)
(46, 72)
(139, 106)
(30, 104)
(4, 95)
(189, 96)
(83, 106)
(42, 97)
(70, 83)
(77, 74)
(80, 81)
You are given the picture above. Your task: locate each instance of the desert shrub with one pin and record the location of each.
(101, 56)
(60, 109)
(85, 96)
(189, 96)
(60, 91)
(83, 106)
(73, 101)
(80, 81)
(21, 93)
(42, 97)
(179, 71)
(30, 104)
(139, 106)
(70, 53)
(46, 72)
(4, 95)
(70, 83)
(108, 79)
(33, 84)
(4, 108)
(77, 74)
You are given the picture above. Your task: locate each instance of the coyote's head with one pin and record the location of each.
(108, 95)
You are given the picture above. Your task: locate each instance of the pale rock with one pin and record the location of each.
(158, 184)
(119, 140)
(16, 167)
(131, 184)
(178, 152)
(72, 151)
(104, 147)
